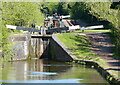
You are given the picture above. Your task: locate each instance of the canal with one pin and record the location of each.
(44, 71)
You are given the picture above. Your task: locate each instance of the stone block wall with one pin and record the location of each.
(21, 48)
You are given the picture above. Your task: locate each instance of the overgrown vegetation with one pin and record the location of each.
(21, 13)
(106, 13)
(5, 44)
(51, 8)
(18, 14)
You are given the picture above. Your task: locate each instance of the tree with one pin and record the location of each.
(54, 7)
(19, 14)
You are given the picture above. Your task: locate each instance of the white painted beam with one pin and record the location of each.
(22, 28)
(11, 26)
(94, 27)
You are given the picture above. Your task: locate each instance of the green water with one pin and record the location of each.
(44, 71)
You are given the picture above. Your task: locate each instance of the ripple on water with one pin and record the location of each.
(42, 73)
(44, 81)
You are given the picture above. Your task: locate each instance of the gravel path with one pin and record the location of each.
(103, 47)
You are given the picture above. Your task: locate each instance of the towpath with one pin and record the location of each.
(103, 47)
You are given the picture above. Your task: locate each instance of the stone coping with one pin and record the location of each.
(19, 37)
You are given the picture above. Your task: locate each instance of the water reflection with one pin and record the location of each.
(43, 71)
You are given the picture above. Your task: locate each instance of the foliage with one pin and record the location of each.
(106, 13)
(18, 14)
(54, 7)
(79, 10)
(21, 13)
(26, 13)
(6, 52)
(103, 11)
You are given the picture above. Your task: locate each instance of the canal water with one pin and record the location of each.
(44, 71)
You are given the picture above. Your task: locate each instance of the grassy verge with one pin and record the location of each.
(91, 31)
(80, 46)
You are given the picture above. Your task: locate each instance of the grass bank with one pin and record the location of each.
(80, 47)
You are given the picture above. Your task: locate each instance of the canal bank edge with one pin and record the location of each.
(106, 74)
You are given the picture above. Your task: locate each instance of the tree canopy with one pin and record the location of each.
(26, 13)
(54, 7)
(99, 11)
(21, 13)
(18, 14)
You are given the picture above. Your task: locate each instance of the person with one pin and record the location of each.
(83, 28)
(46, 21)
(56, 16)
(53, 16)
(43, 30)
(40, 27)
(34, 26)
